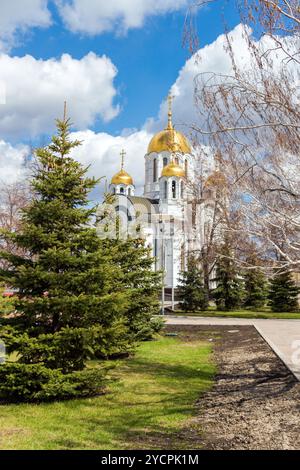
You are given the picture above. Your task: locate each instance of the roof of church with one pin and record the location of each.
(169, 139)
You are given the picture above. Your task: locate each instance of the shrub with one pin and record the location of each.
(147, 331)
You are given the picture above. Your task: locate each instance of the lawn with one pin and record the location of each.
(264, 313)
(150, 401)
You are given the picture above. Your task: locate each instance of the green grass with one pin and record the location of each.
(150, 402)
(265, 314)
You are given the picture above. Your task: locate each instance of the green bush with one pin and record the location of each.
(35, 382)
(147, 331)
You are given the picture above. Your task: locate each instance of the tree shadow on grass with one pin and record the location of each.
(145, 414)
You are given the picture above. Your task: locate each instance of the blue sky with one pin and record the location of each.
(148, 59)
(115, 62)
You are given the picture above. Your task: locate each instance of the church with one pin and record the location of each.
(173, 220)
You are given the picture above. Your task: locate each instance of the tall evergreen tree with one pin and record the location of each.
(283, 293)
(141, 283)
(192, 290)
(256, 290)
(67, 277)
(229, 292)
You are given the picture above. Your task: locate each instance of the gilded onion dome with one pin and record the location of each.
(173, 169)
(122, 177)
(169, 139)
(216, 179)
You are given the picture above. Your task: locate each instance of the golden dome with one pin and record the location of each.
(173, 169)
(169, 139)
(216, 179)
(122, 177)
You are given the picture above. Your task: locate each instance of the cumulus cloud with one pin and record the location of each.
(101, 152)
(13, 162)
(36, 89)
(213, 58)
(17, 16)
(95, 17)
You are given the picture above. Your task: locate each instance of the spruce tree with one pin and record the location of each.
(229, 292)
(67, 277)
(283, 293)
(192, 291)
(141, 283)
(256, 291)
(143, 286)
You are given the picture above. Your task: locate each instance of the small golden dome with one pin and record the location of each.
(122, 177)
(216, 179)
(173, 169)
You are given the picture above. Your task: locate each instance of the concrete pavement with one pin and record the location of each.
(283, 336)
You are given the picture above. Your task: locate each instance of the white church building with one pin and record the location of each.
(170, 220)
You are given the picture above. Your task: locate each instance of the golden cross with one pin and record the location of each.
(123, 155)
(170, 101)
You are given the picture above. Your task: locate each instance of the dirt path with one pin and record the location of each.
(255, 403)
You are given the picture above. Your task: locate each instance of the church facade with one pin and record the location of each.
(167, 216)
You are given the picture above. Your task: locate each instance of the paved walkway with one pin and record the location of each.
(282, 335)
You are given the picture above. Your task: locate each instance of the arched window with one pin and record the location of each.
(165, 161)
(174, 189)
(154, 170)
(186, 167)
(177, 160)
(165, 190)
(122, 190)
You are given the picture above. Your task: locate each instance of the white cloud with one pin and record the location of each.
(12, 162)
(102, 152)
(213, 58)
(17, 16)
(95, 17)
(52, 81)
(36, 89)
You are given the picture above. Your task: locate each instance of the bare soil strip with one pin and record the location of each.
(255, 402)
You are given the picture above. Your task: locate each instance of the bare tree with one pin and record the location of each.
(13, 198)
(252, 117)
